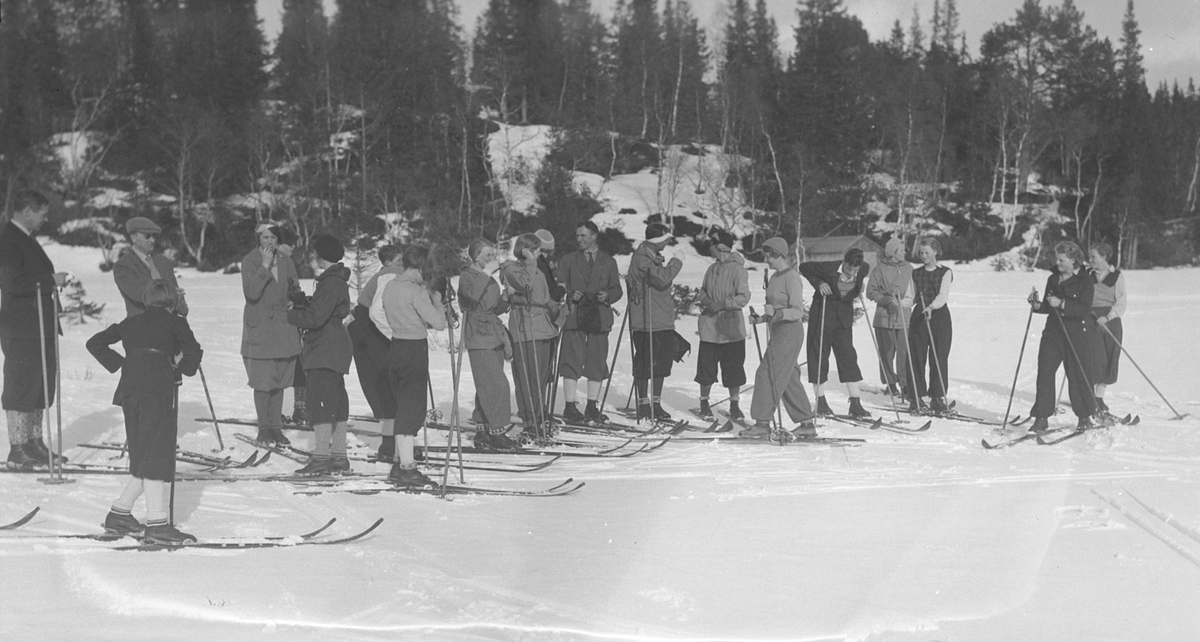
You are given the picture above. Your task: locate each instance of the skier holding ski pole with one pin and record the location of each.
(837, 285)
(530, 322)
(721, 326)
(487, 345)
(652, 313)
(931, 330)
(1108, 306)
(779, 378)
(1067, 338)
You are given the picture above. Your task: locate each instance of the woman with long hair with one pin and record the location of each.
(487, 344)
(411, 310)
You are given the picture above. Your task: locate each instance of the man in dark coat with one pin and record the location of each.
(140, 265)
(27, 276)
(837, 284)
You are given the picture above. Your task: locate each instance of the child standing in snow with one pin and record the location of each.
(147, 395)
(326, 357)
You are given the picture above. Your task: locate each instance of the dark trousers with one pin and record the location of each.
(1108, 353)
(936, 353)
(1053, 351)
(729, 357)
(370, 362)
(664, 353)
(152, 431)
(408, 375)
(841, 342)
(327, 401)
(23, 384)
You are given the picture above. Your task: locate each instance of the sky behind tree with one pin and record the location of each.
(1170, 28)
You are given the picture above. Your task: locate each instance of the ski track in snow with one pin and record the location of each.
(905, 537)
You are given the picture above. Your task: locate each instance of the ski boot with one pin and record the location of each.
(661, 415)
(705, 411)
(806, 430)
(938, 405)
(735, 413)
(644, 411)
(265, 438)
(1085, 423)
(299, 406)
(43, 453)
(316, 467)
(759, 430)
(501, 441)
(592, 413)
(1040, 424)
(387, 449)
(22, 457)
(280, 438)
(856, 409)
(409, 477)
(339, 464)
(167, 535)
(571, 414)
(823, 409)
(122, 524)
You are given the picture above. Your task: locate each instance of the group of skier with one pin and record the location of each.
(560, 316)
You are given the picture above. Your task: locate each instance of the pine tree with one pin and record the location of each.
(637, 68)
(302, 53)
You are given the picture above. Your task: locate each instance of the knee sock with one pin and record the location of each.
(569, 388)
(404, 451)
(322, 433)
(156, 501)
(705, 390)
(16, 427)
(658, 384)
(639, 386)
(387, 427)
(133, 490)
(276, 408)
(593, 390)
(338, 446)
(262, 404)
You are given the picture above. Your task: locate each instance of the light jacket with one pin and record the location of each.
(725, 291)
(531, 312)
(889, 278)
(132, 275)
(658, 313)
(326, 341)
(479, 298)
(785, 294)
(266, 333)
(409, 307)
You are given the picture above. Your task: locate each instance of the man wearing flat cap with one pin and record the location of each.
(140, 265)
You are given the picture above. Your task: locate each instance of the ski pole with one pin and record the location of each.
(48, 431)
(1177, 416)
(538, 407)
(820, 350)
(650, 336)
(57, 389)
(454, 426)
(937, 366)
(912, 370)
(211, 410)
(726, 399)
(879, 354)
(612, 367)
(1020, 357)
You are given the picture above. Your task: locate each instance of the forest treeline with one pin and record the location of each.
(182, 110)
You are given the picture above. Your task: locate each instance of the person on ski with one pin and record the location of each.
(531, 318)
(26, 274)
(930, 330)
(1108, 306)
(890, 287)
(652, 319)
(779, 377)
(327, 354)
(837, 284)
(1067, 338)
(724, 292)
(270, 345)
(593, 285)
(487, 345)
(146, 394)
(371, 349)
(139, 265)
(410, 309)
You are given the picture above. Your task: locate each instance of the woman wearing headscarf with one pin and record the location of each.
(270, 345)
(890, 287)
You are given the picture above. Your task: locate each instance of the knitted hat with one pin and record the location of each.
(546, 238)
(143, 225)
(777, 245)
(328, 248)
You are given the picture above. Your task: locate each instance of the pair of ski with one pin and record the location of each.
(878, 423)
(553, 447)
(730, 425)
(144, 544)
(565, 488)
(239, 421)
(208, 462)
(953, 415)
(1059, 435)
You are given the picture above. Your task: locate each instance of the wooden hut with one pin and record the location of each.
(833, 248)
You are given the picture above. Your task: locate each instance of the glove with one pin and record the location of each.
(768, 310)
(893, 306)
(295, 294)
(1033, 297)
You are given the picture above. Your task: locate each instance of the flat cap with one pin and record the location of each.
(142, 224)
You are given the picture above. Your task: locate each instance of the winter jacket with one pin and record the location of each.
(723, 294)
(479, 297)
(602, 276)
(888, 280)
(266, 333)
(410, 308)
(367, 293)
(646, 266)
(326, 341)
(151, 341)
(531, 313)
(839, 307)
(1077, 292)
(557, 291)
(24, 267)
(132, 275)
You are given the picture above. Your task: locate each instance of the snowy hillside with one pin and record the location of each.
(906, 537)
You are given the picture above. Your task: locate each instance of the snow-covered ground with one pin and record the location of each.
(924, 537)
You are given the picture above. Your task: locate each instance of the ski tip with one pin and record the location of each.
(986, 445)
(926, 426)
(1136, 420)
(876, 425)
